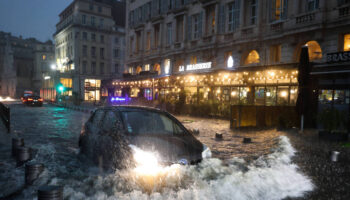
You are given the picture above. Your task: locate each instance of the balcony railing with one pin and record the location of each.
(344, 11)
(276, 26)
(305, 18)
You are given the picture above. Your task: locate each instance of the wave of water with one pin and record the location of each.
(270, 177)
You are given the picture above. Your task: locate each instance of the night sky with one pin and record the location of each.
(31, 18)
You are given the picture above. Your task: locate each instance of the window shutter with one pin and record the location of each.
(200, 24)
(189, 28)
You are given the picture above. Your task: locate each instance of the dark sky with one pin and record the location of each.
(31, 18)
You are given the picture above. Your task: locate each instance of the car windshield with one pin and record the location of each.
(145, 122)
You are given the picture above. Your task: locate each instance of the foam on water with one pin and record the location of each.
(270, 177)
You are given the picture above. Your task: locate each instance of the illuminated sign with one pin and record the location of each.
(193, 67)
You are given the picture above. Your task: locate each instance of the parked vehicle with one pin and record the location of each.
(108, 134)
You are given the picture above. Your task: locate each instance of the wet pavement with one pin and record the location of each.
(262, 169)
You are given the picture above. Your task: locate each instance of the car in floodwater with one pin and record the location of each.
(110, 131)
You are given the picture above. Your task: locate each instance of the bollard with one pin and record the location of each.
(334, 156)
(247, 140)
(50, 192)
(23, 154)
(218, 135)
(32, 172)
(16, 143)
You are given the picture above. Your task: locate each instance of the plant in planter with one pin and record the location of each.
(333, 123)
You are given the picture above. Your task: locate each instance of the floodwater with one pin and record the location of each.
(260, 170)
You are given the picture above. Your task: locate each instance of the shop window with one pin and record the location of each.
(325, 96)
(275, 53)
(243, 95)
(347, 42)
(339, 97)
(293, 95)
(138, 69)
(234, 95)
(282, 95)
(259, 95)
(252, 58)
(156, 68)
(315, 51)
(270, 96)
(92, 95)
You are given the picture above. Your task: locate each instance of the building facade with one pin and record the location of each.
(229, 51)
(23, 63)
(89, 48)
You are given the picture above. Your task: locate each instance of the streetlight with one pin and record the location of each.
(53, 67)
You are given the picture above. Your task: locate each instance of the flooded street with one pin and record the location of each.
(262, 169)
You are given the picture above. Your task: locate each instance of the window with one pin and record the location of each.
(156, 35)
(131, 70)
(315, 51)
(142, 122)
(195, 26)
(44, 57)
(210, 20)
(156, 68)
(102, 38)
(148, 41)
(253, 11)
(279, 10)
(252, 58)
(116, 68)
(109, 121)
(275, 53)
(343, 2)
(83, 19)
(93, 68)
(93, 37)
(116, 40)
(167, 66)
(102, 68)
(347, 42)
(147, 67)
(116, 53)
(131, 45)
(179, 29)
(99, 9)
(91, 7)
(84, 50)
(101, 23)
(93, 51)
(92, 21)
(102, 53)
(233, 15)
(138, 69)
(169, 31)
(312, 5)
(138, 41)
(84, 67)
(193, 60)
(85, 36)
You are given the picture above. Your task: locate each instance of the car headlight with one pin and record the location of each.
(206, 153)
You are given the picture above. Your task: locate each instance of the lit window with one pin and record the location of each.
(315, 51)
(347, 42)
(167, 66)
(131, 70)
(138, 69)
(156, 68)
(44, 57)
(230, 62)
(279, 9)
(252, 58)
(147, 67)
(193, 60)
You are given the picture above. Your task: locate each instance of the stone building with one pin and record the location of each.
(231, 51)
(89, 47)
(22, 64)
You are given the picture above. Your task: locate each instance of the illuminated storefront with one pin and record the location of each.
(92, 89)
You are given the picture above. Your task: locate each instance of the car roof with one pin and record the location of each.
(130, 108)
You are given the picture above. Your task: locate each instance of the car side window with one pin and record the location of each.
(109, 121)
(96, 121)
